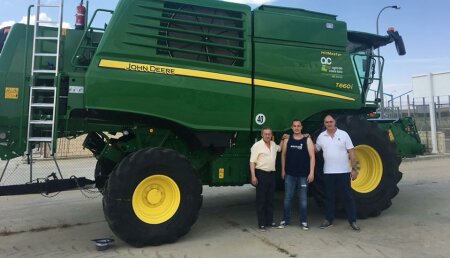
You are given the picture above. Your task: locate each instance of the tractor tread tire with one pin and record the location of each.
(117, 201)
(103, 168)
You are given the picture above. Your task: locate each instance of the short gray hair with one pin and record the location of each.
(266, 128)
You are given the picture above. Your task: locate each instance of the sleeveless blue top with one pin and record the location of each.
(297, 157)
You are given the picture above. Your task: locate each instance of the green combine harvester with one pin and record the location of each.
(188, 85)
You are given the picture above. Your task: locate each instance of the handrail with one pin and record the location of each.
(25, 66)
(88, 29)
(26, 41)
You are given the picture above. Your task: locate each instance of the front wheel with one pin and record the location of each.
(152, 197)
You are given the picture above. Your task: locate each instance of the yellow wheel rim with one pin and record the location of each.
(370, 168)
(156, 199)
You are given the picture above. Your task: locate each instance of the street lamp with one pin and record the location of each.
(379, 59)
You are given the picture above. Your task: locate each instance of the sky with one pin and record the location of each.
(424, 26)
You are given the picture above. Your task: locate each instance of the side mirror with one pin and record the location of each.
(399, 44)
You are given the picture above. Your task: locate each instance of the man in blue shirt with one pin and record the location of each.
(297, 170)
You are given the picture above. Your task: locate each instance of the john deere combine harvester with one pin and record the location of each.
(189, 84)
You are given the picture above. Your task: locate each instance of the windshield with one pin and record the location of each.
(365, 64)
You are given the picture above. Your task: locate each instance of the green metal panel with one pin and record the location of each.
(300, 28)
(75, 98)
(230, 170)
(404, 133)
(297, 12)
(305, 52)
(192, 100)
(312, 86)
(14, 75)
(13, 110)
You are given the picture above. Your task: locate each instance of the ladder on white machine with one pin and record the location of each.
(42, 115)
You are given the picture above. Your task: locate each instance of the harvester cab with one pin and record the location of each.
(362, 46)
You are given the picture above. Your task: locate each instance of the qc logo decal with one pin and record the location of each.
(325, 60)
(260, 119)
(326, 64)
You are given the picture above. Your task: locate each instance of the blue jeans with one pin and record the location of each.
(339, 184)
(294, 184)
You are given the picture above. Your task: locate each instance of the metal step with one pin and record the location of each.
(40, 139)
(45, 71)
(45, 54)
(47, 38)
(43, 88)
(43, 105)
(41, 122)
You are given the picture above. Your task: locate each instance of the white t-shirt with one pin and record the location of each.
(335, 152)
(264, 158)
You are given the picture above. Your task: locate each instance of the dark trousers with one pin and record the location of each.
(264, 197)
(340, 184)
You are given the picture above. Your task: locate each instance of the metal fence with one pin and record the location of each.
(419, 108)
(71, 159)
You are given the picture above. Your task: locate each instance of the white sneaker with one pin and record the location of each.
(304, 226)
(282, 225)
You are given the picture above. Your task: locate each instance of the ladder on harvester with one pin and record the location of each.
(44, 78)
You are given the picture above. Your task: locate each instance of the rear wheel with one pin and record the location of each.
(378, 168)
(153, 197)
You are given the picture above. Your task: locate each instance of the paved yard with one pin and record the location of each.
(417, 225)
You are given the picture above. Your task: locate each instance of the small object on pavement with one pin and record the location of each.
(102, 244)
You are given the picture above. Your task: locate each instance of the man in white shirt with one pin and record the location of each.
(262, 168)
(337, 147)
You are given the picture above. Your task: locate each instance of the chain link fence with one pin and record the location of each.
(71, 159)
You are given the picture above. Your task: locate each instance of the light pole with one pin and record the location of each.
(379, 61)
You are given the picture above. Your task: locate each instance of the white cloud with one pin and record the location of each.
(66, 25)
(252, 2)
(6, 24)
(43, 17)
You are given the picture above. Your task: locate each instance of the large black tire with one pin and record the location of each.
(152, 169)
(103, 168)
(372, 200)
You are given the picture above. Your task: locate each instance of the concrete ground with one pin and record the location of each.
(416, 225)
